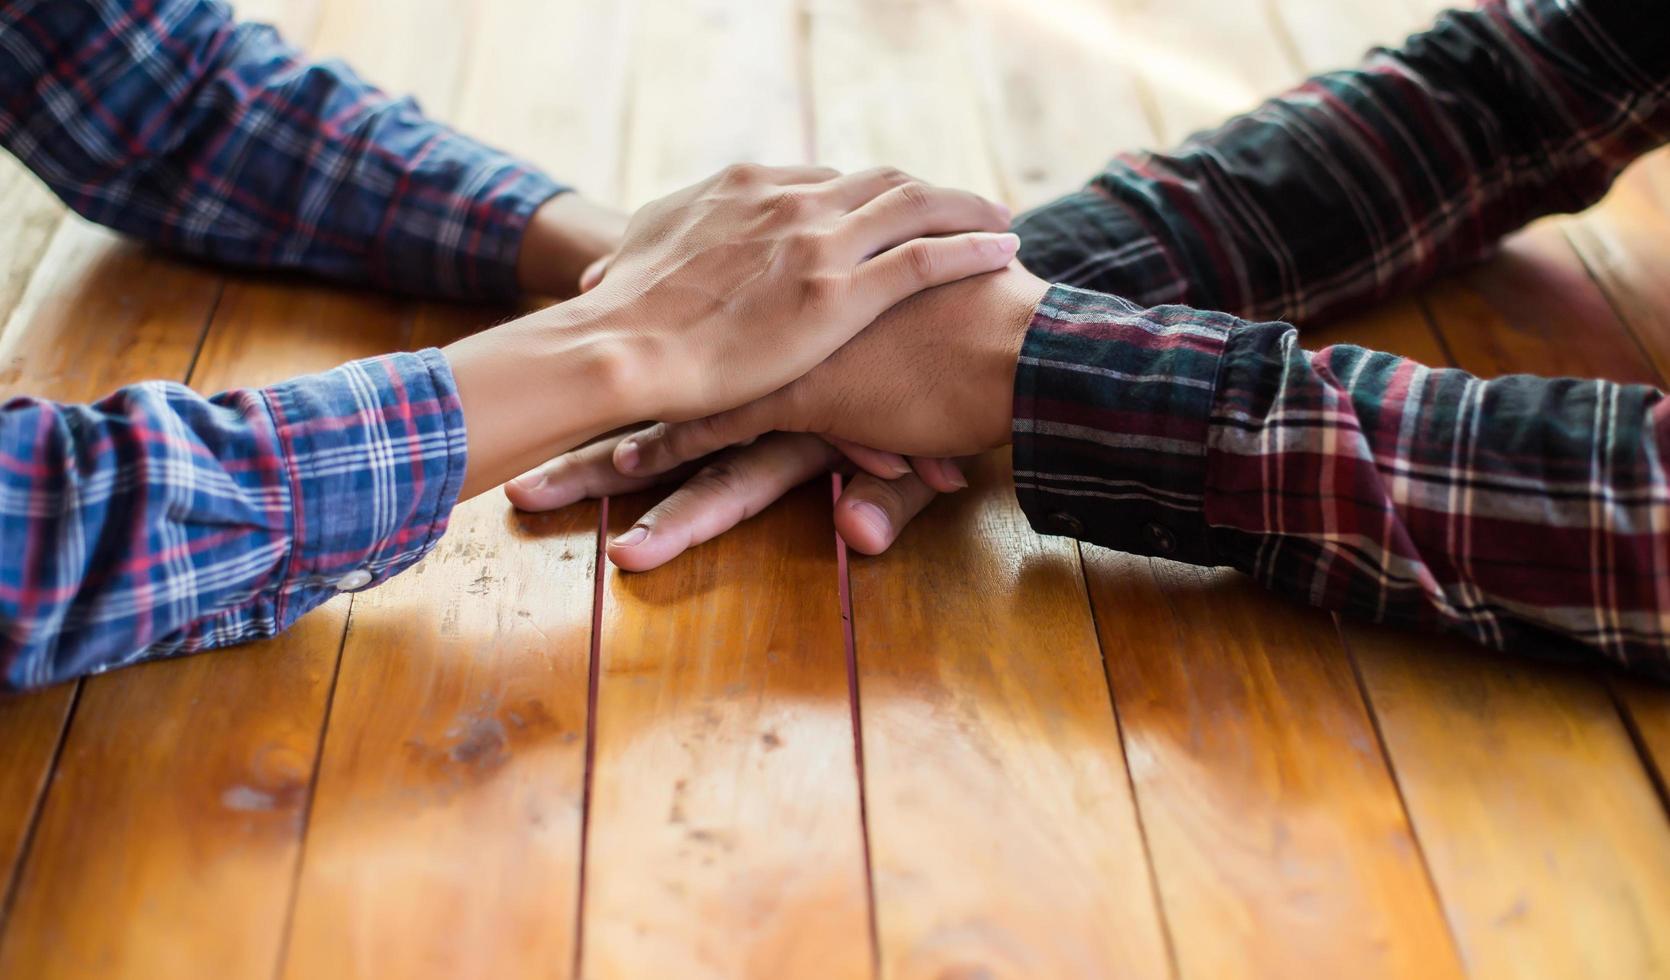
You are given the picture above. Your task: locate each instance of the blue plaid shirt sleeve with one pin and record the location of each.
(167, 120)
(158, 522)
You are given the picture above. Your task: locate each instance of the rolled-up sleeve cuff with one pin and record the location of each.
(455, 224)
(1113, 405)
(374, 454)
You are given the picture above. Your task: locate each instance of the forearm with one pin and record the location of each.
(542, 385)
(170, 122)
(1514, 511)
(1359, 184)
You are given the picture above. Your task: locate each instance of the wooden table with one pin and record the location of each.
(985, 754)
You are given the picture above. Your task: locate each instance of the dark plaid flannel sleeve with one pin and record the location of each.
(1526, 513)
(167, 120)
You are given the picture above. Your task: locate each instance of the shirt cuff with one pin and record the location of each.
(1113, 404)
(455, 222)
(374, 454)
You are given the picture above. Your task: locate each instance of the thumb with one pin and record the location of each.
(665, 445)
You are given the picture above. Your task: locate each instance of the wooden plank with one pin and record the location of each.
(169, 843)
(98, 313)
(895, 83)
(1247, 738)
(724, 836)
(1279, 841)
(1003, 836)
(1002, 830)
(29, 726)
(1623, 244)
(32, 214)
(1025, 58)
(445, 833)
(1539, 875)
(1542, 832)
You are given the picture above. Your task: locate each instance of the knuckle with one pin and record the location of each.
(725, 477)
(740, 174)
(687, 440)
(821, 290)
(885, 494)
(920, 259)
(792, 205)
(914, 196)
(892, 176)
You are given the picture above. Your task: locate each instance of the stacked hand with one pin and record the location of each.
(719, 294)
(932, 377)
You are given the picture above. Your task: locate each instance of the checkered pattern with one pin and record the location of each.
(167, 120)
(159, 522)
(1530, 514)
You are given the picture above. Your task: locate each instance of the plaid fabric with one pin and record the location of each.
(166, 120)
(159, 522)
(1526, 513)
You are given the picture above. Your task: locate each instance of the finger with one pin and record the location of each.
(921, 264)
(941, 474)
(888, 466)
(720, 496)
(594, 273)
(585, 473)
(665, 445)
(792, 174)
(852, 191)
(912, 210)
(872, 512)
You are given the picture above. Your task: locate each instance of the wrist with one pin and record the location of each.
(1011, 319)
(538, 386)
(565, 235)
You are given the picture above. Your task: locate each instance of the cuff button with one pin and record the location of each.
(359, 578)
(1161, 539)
(1064, 523)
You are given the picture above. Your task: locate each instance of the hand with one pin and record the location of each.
(566, 235)
(933, 377)
(740, 284)
(724, 490)
(720, 293)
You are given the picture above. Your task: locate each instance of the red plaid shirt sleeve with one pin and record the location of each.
(1524, 512)
(1527, 513)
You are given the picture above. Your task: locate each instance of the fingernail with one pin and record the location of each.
(634, 535)
(898, 466)
(626, 456)
(1003, 209)
(1005, 244)
(529, 481)
(872, 515)
(954, 475)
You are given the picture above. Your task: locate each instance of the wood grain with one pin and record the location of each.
(97, 313)
(1002, 831)
(1506, 835)
(1576, 879)
(1003, 835)
(446, 829)
(724, 837)
(32, 214)
(1274, 826)
(445, 834)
